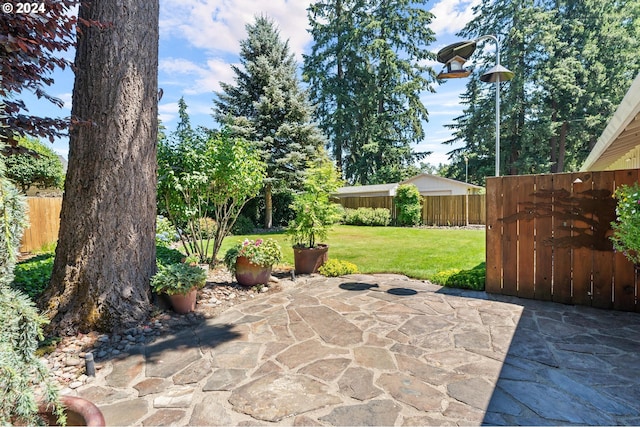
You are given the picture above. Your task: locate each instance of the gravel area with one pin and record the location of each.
(67, 361)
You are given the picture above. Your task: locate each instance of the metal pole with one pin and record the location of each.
(497, 108)
(498, 126)
(495, 39)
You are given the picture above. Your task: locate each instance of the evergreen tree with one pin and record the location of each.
(366, 75)
(267, 106)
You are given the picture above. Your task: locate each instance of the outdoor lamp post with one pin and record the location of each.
(452, 55)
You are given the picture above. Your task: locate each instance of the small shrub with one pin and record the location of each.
(407, 201)
(367, 216)
(178, 279)
(32, 275)
(166, 256)
(336, 267)
(242, 226)
(207, 227)
(465, 279)
(341, 213)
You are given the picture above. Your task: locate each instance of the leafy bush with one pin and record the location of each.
(201, 171)
(207, 227)
(367, 216)
(32, 275)
(37, 166)
(167, 256)
(178, 279)
(465, 279)
(336, 267)
(407, 201)
(165, 231)
(243, 225)
(626, 227)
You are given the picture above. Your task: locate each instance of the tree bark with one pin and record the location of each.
(106, 245)
(268, 206)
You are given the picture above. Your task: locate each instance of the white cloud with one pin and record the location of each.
(195, 78)
(452, 15)
(66, 99)
(218, 26)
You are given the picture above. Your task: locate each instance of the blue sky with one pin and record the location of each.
(200, 39)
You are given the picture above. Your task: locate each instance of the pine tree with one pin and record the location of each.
(366, 75)
(267, 106)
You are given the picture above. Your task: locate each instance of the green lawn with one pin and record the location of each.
(417, 253)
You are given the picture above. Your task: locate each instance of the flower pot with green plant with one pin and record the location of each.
(252, 260)
(626, 227)
(315, 214)
(180, 282)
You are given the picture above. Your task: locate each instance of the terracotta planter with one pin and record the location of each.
(80, 412)
(308, 260)
(183, 304)
(249, 274)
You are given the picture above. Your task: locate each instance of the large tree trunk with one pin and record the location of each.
(106, 246)
(268, 206)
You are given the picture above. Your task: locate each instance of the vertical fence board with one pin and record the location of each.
(543, 233)
(493, 276)
(582, 256)
(526, 254)
(510, 236)
(624, 274)
(561, 231)
(603, 260)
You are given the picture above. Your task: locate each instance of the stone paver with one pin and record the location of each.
(381, 350)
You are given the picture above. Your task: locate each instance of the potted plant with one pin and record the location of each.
(252, 260)
(626, 228)
(181, 283)
(315, 213)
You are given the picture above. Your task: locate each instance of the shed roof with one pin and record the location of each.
(361, 189)
(441, 178)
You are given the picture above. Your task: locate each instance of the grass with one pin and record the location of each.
(415, 252)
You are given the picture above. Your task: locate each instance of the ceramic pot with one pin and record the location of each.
(309, 260)
(183, 304)
(250, 274)
(80, 412)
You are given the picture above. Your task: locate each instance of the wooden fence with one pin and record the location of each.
(548, 239)
(44, 220)
(436, 210)
(453, 211)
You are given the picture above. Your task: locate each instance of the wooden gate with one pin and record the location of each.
(548, 239)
